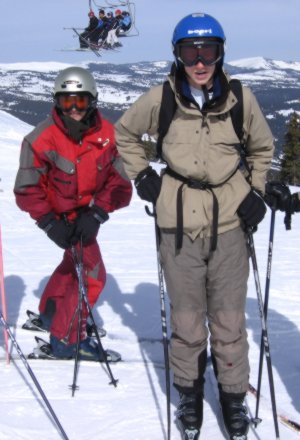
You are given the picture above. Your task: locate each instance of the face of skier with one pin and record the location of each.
(199, 58)
(75, 114)
(200, 75)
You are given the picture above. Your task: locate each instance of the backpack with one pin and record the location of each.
(166, 114)
(168, 108)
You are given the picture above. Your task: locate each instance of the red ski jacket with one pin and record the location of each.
(59, 175)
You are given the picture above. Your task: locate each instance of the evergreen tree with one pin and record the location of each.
(290, 161)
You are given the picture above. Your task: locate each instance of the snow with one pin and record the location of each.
(286, 112)
(251, 63)
(35, 66)
(263, 63)
(129, 309)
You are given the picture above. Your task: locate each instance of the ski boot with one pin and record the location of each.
(234, 414)
(189, 415)
(59, 350)
(88, 350)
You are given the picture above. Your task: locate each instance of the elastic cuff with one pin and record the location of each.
(235, 389)
(45, 222)
(197, 388)
(142, 175)
(100, 214)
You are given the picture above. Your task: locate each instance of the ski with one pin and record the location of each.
(239, 437)
(284, 419)
(43, 351)
(189, 434)
(93, 47)
(34, 323)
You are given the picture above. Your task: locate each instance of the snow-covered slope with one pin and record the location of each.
(129, 309)
(263, 63)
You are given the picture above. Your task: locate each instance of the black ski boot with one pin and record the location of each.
(234, 415)
(189, 415)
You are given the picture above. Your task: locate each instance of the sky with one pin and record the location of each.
(33, 30)
(129, 310)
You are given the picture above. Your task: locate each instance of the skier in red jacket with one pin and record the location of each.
(70, 178)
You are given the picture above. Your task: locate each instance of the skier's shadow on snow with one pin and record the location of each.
(284, 338)
(140, 312)
(14, 292)
(40, 289)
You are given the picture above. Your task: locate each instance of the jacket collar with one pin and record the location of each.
(217, 97)
(95, 123)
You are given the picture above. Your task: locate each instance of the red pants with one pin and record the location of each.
(62, 290)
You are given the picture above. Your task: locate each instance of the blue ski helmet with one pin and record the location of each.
(198, 26)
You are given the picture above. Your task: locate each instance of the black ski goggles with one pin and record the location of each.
(191, 53)
(67, 102)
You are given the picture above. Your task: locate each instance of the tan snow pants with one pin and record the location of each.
(207, 292)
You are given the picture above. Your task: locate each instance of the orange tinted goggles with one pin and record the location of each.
(67, 102)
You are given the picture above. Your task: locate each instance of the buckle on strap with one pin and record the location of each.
(198, 184)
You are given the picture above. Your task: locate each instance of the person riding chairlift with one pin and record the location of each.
(112, 40)
(89, 32)
(126, 21)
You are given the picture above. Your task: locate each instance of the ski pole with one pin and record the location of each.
(3, 299)
(265, 336)
(33, 377)
(74, 386)
(79, 270)
(266, 305)
(163, 319)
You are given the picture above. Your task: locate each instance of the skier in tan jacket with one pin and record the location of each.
(204, 205)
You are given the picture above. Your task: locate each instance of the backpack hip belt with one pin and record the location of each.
(202, 186)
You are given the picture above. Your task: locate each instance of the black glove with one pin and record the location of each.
(88, 223)
(57, 230)
(278, 196)
(148, 185)
(295, 202)
(252, 209)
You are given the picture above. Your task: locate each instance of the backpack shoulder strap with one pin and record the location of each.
(237, 117)
(166, 114)
(237, 112)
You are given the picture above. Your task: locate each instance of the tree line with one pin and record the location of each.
(290, 157)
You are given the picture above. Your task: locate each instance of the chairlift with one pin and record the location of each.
(127, 7)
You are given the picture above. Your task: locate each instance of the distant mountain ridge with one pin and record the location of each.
(26, 89)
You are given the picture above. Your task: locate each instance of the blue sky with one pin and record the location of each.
(32, 30)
